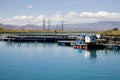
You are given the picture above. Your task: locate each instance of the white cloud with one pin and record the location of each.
(57, 17)
(71, 17)
(29, 6)
(38, 19)
(72, 14)
(24, 17)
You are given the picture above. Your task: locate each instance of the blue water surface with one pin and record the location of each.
(48, 61)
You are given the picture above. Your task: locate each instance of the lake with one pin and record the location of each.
(48, 61)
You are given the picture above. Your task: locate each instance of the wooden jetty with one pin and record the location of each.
(97, 46)
(31, 39)
(89, 46)
(62, 40)
(38, 38)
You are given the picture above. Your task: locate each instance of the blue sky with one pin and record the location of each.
(12, 8)
(49, 7)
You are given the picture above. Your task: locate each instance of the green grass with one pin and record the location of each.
(111, 33)
(2, 30)
(106, 33)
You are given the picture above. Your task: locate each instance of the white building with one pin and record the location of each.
(99, 36)
(90, 39)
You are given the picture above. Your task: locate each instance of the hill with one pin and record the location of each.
(98, 26)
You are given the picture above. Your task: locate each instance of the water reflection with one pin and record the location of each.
(26, 44)
(93, 54)
(90, 54)
(80, 51)
(112, 52)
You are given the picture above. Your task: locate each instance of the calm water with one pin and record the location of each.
(40, 61)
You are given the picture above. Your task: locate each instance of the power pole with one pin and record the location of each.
(62, 25)
(44, 23)
(49, 24)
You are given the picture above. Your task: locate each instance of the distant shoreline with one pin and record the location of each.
(106, 33)
(45, 31)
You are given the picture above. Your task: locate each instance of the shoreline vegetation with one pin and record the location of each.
(113, 32)
(3, 30)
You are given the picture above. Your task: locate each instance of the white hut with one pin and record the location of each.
(99, 36)
(90, 39)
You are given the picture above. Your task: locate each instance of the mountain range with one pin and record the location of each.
(97, 26)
